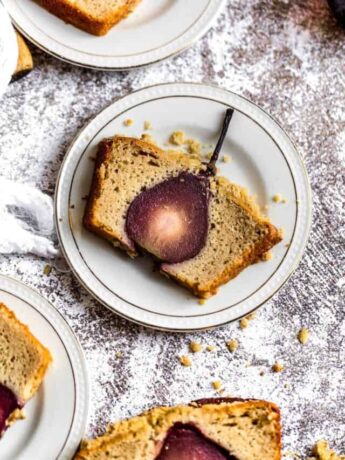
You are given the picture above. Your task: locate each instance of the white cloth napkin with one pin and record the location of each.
(26, 220)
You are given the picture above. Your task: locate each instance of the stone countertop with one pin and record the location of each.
(288, 57)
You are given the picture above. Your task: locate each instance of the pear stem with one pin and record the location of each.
(211, 166)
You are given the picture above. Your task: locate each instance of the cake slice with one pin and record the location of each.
(219, 429)
(23, 364)
(201, 228)
(94, 16)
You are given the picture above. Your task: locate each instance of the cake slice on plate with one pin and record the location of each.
(202, 229)
(95, 17)
(214, 429)
(23, 364)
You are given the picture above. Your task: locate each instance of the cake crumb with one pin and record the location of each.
(322, 451)
(232, 345)
(281, 232)
(262, 373)
(185, 361)
(217, 385)
(210, 348)
(202, 301)
(177, 138)
(277, 367)
(226, 158)
(118, 354)
(303, 335)
(286, 385)
(195, 347)
(287, 245)
(147, 125)
(147, 138)
(128, 122)
(284, 200)
(244, 323)
(277, 198)
(47, 269)
(267, 256)
(251, 316)
(194, 146)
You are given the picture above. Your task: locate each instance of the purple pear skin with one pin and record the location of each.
(170, 220)
(187, 443)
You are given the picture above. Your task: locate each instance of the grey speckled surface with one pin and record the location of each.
(287, 56)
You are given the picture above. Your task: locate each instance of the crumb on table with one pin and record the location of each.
(217, 384)
(232, 345)
(210, 348)
(322, 451)
(226, 158)
(277, 198)
(202, 301)
(277, 367)
(194, 146)
(303, 335)
(128, 122)
(185, 361)
(47, 269)
(195, 347)
(147, 125)
(244, 323)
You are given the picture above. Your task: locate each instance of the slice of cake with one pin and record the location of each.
(94, 16)
(23, 364)
(219, 429)
(202, 229)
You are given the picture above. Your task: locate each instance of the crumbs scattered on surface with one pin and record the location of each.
(128, 122)
(277, 198)
(226, 158)
(177, 138)
(118, 354)
(232, 345)
(303, 335)
(267, 256)
(217, 385)
(322, 451)
(194, 146)
(147, 125)
(147, 138)
(195, 347)
(277, 367)
(244, 323)
(202, 301)
(185, 361)
(47, 269)
(262, 373)
(210, 348)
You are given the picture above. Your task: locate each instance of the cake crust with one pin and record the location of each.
(248, 429)
(80, 16)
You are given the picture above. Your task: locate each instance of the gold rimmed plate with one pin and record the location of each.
(263, 159)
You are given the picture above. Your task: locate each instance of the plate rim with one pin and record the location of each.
(116, 68)
(285, 278)
(81, 378)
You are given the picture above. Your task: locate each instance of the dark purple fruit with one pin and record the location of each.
(170, 220)
(338, 9)
(8, 403)
(187, 443)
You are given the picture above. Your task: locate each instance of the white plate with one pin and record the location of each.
(264, 160)
(8, 50)
(156, 30)
(56, 415)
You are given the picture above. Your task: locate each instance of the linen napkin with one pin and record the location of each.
(26, 220)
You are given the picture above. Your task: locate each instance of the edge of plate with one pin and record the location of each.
(190, 43)
(184, 330)
(75, 353)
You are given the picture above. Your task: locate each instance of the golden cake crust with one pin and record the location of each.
(249, 430)
(81, 17)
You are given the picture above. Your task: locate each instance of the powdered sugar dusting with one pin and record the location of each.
(288, 57)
